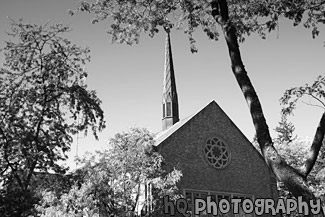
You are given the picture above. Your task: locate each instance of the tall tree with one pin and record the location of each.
(116, 181)
(135, 166)
(237, 20)
(43, 102)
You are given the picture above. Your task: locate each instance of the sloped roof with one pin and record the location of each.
(161, 136)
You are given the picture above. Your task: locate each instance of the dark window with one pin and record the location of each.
(169, 109)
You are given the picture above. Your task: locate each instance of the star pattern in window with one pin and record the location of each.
(217, 153)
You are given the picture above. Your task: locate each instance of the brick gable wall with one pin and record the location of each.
(246, 173)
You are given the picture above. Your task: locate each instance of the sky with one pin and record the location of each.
(128, 79)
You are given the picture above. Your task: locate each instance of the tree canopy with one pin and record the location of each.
(43, 102)
(128, 19)
(116, 181)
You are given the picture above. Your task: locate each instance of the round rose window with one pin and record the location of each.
(217, 153)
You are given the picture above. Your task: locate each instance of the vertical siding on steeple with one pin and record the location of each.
(170, 100)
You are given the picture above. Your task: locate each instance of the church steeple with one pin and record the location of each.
(170, 100)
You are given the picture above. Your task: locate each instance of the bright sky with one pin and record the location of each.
(128, 79)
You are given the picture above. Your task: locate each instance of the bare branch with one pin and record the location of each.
(313, 105)
(316, 99)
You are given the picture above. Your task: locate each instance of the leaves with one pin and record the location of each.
(112, 181)
(285, 131)
(128, 19)
(41, 91)
(315, 92)
(132, 163)
(296, 153)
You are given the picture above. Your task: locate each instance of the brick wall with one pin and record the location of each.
(246, 173)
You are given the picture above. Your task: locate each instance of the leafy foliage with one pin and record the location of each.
(314, 91)
(112, 181)
(78, 202)
(296, 153)
(134, 163)
(285, 131)
(129, 18)
(42, 94)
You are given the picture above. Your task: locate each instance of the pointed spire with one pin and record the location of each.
(170, 100)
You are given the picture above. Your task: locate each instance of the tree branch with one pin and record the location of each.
(38, 128)
(315, 147)
(291, 177)
(313, 105)
(220, 13)
(8, 161)
(20, 183)
(320, 101)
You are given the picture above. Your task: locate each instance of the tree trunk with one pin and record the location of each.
(292, 178)
(315, 148)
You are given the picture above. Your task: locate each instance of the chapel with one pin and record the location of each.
(215, 157)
